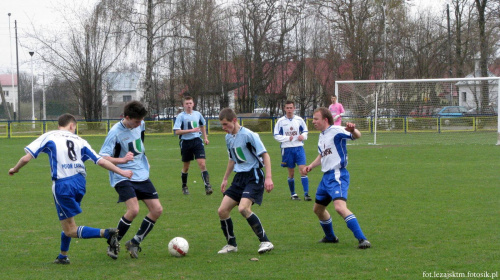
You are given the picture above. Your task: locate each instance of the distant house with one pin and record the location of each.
(10, 90)
(118, 89)
(470, 91)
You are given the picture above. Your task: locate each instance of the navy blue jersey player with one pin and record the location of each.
(189, 126)
(245, 153)
(291, 131)
(124, 146)
(334, 185)
(67, 153)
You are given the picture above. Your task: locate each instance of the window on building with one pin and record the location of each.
(6, 92)
(464, 96)
(127, 98)
(110, 99)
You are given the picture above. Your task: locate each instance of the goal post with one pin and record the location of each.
(425, 110)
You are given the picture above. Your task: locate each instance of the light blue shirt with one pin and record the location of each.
(118, 143)
(245, 149)
(186, 121)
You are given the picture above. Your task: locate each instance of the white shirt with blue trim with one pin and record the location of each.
(333, 148)
(67, 152)
(286, 127)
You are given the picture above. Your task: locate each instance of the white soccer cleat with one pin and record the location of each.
(265, 247)
(228, 249)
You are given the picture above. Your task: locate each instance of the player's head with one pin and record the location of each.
(322, 118)
(334, 99)
(188, 103)
(134, 112)
(67, 121)
(228, 120)
(289, 108)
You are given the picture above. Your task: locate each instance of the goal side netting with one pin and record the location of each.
(423, 111)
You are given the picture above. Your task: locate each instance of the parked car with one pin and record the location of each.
(452, 112)
(487, 111)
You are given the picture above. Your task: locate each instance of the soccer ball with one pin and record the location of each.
(178, 247)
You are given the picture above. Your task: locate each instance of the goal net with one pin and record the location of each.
(426, 111)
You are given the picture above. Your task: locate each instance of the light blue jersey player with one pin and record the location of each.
(189, 126)
(291, 132)
(334, 185)
(67, 153)
(247, 155)
(124, 146)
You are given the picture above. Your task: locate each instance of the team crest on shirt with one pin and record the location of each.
(192, 124)
(135, 147)
(239, 155)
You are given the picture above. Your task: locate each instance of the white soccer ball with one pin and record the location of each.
(178, 247)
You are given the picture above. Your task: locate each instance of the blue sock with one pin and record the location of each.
(65, 241)
(353, 225)
(291, 185)
(88, 232)
(328, 229)
(305, 184)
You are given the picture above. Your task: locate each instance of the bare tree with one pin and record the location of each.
(86, 54)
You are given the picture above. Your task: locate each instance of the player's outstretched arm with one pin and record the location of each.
(111, 167)
(22, 162)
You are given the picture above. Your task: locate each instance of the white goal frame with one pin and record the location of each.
(383, 82)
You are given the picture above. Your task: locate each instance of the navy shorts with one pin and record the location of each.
(247, 185)
(129, 189)
(68, 194)
(192, 149)
(293, 156)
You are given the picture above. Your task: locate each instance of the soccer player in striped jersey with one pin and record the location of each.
(246, 153)
(189, 126)
(291, 131)
(67, 153)
(124, 146)
(335, 182)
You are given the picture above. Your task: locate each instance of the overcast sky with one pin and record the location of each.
(44, 13)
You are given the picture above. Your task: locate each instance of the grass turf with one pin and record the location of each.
(425, 208)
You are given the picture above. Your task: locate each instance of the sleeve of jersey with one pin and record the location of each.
(254, 139)
(107, 147)
(203, 122)
(178, 122)
(303, 129)
(89, 153)
(37, 146)
(278, 133)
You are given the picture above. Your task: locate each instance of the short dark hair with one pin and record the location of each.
(134, 110)
(187, 98)
(290, 102)
(66, 119)
(325, 114)
(227, 114)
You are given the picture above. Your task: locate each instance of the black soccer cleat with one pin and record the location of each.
(326, 240)
(185, 190)
(64, 260)
(208, 189)
(364, 244)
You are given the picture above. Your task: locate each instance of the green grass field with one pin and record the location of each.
(425, 208)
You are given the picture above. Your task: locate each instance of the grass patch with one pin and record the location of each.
(423, 207)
